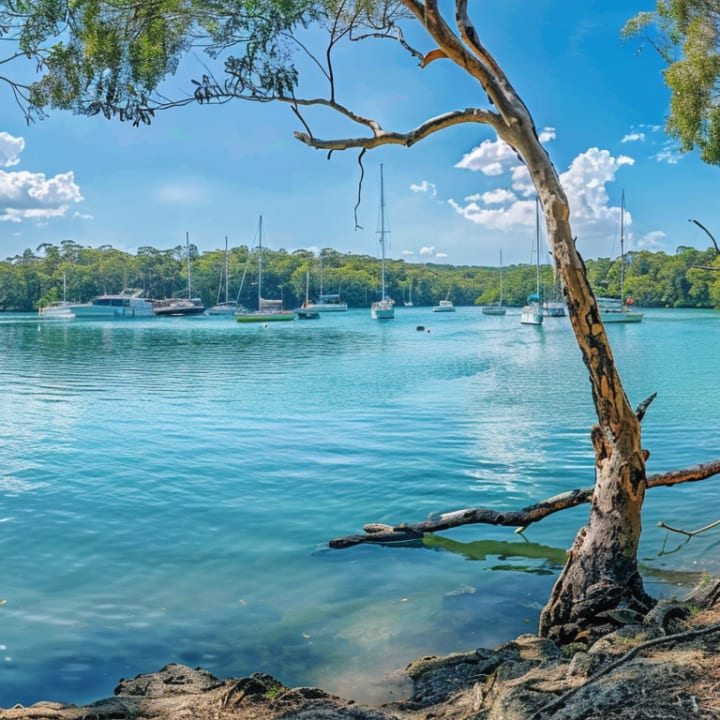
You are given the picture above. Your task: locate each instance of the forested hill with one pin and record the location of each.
(690, 278)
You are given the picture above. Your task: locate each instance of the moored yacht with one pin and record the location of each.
(127, 304)
(444, 306)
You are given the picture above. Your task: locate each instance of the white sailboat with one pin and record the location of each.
(618, 309)
(445, 305)
(383, 309)
(497, 308)
(226, 306)
(532, 313)
(268, 310)
(59, 310)
(326, 302)
(409, 301)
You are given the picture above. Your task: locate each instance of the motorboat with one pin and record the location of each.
(444, 306)
(127, 304)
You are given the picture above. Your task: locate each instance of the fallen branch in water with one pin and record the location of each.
(381, 533)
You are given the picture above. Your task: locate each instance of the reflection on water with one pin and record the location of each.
(168, 488)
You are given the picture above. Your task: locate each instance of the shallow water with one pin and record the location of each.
(168, 487)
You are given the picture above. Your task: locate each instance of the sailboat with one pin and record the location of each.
(618, 309)
(227, 306)
(268, 310)
(445, 305)
(59, 310)
(180, 306)
(326, 302)
(409, 301)
(307, 310)
(383, 309)
(532, 313)
(497, 308)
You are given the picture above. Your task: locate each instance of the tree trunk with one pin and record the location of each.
(601, 572)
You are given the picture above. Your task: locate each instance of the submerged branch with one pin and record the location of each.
(404, 532)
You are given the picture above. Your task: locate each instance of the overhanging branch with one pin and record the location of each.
(382, 137)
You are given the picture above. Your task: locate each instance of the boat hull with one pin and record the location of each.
(57, 311)
(493, 310)
(323, 308)
(176, 307)
(229, 308)
(261, 317)
(383, 310)
(531, 315)
(621, 317)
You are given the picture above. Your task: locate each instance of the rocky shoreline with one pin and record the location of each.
(663, 666)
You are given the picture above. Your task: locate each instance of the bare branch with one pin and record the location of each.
(407, 139)
(691, 474)
(643, 406)
(404, 532)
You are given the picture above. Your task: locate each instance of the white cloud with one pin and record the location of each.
(425, 187)
(32, 196)
(495, 197)
(190, 192)
(651, 241)
(495, 157)
(407, 252)
(670, 154)
(490, 157)
(634, 137)
(441, 255)
(83, 216)
(10, 149)
(427, 250)
(593, 218)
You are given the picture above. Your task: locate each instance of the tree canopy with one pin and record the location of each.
(686, 34)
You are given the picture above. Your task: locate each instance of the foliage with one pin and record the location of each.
(34, 279)
(686, 34)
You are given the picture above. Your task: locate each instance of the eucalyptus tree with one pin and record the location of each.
(114, 57)
(686, 34)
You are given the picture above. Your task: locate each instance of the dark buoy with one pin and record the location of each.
(420, 328)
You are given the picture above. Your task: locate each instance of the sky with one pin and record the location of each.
(460, 197)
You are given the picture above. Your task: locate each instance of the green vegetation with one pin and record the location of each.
(686, 34)
(36, 278)
(29, 280)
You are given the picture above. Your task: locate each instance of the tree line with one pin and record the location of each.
(689, 278)
(34, 279)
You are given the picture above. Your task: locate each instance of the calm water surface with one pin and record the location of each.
(168, 487)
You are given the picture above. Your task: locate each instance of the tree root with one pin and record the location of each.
(557, 703)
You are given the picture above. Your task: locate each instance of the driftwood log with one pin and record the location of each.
(404, 532)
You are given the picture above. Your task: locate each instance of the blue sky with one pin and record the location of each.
(458, 197)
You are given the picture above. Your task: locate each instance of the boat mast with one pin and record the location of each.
(227, 288)
(382, 231)
(537, 247)
(622, 248)
(260, 263)
(187, 252)
(501, 279)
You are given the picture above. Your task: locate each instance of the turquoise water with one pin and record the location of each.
(168, 488)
